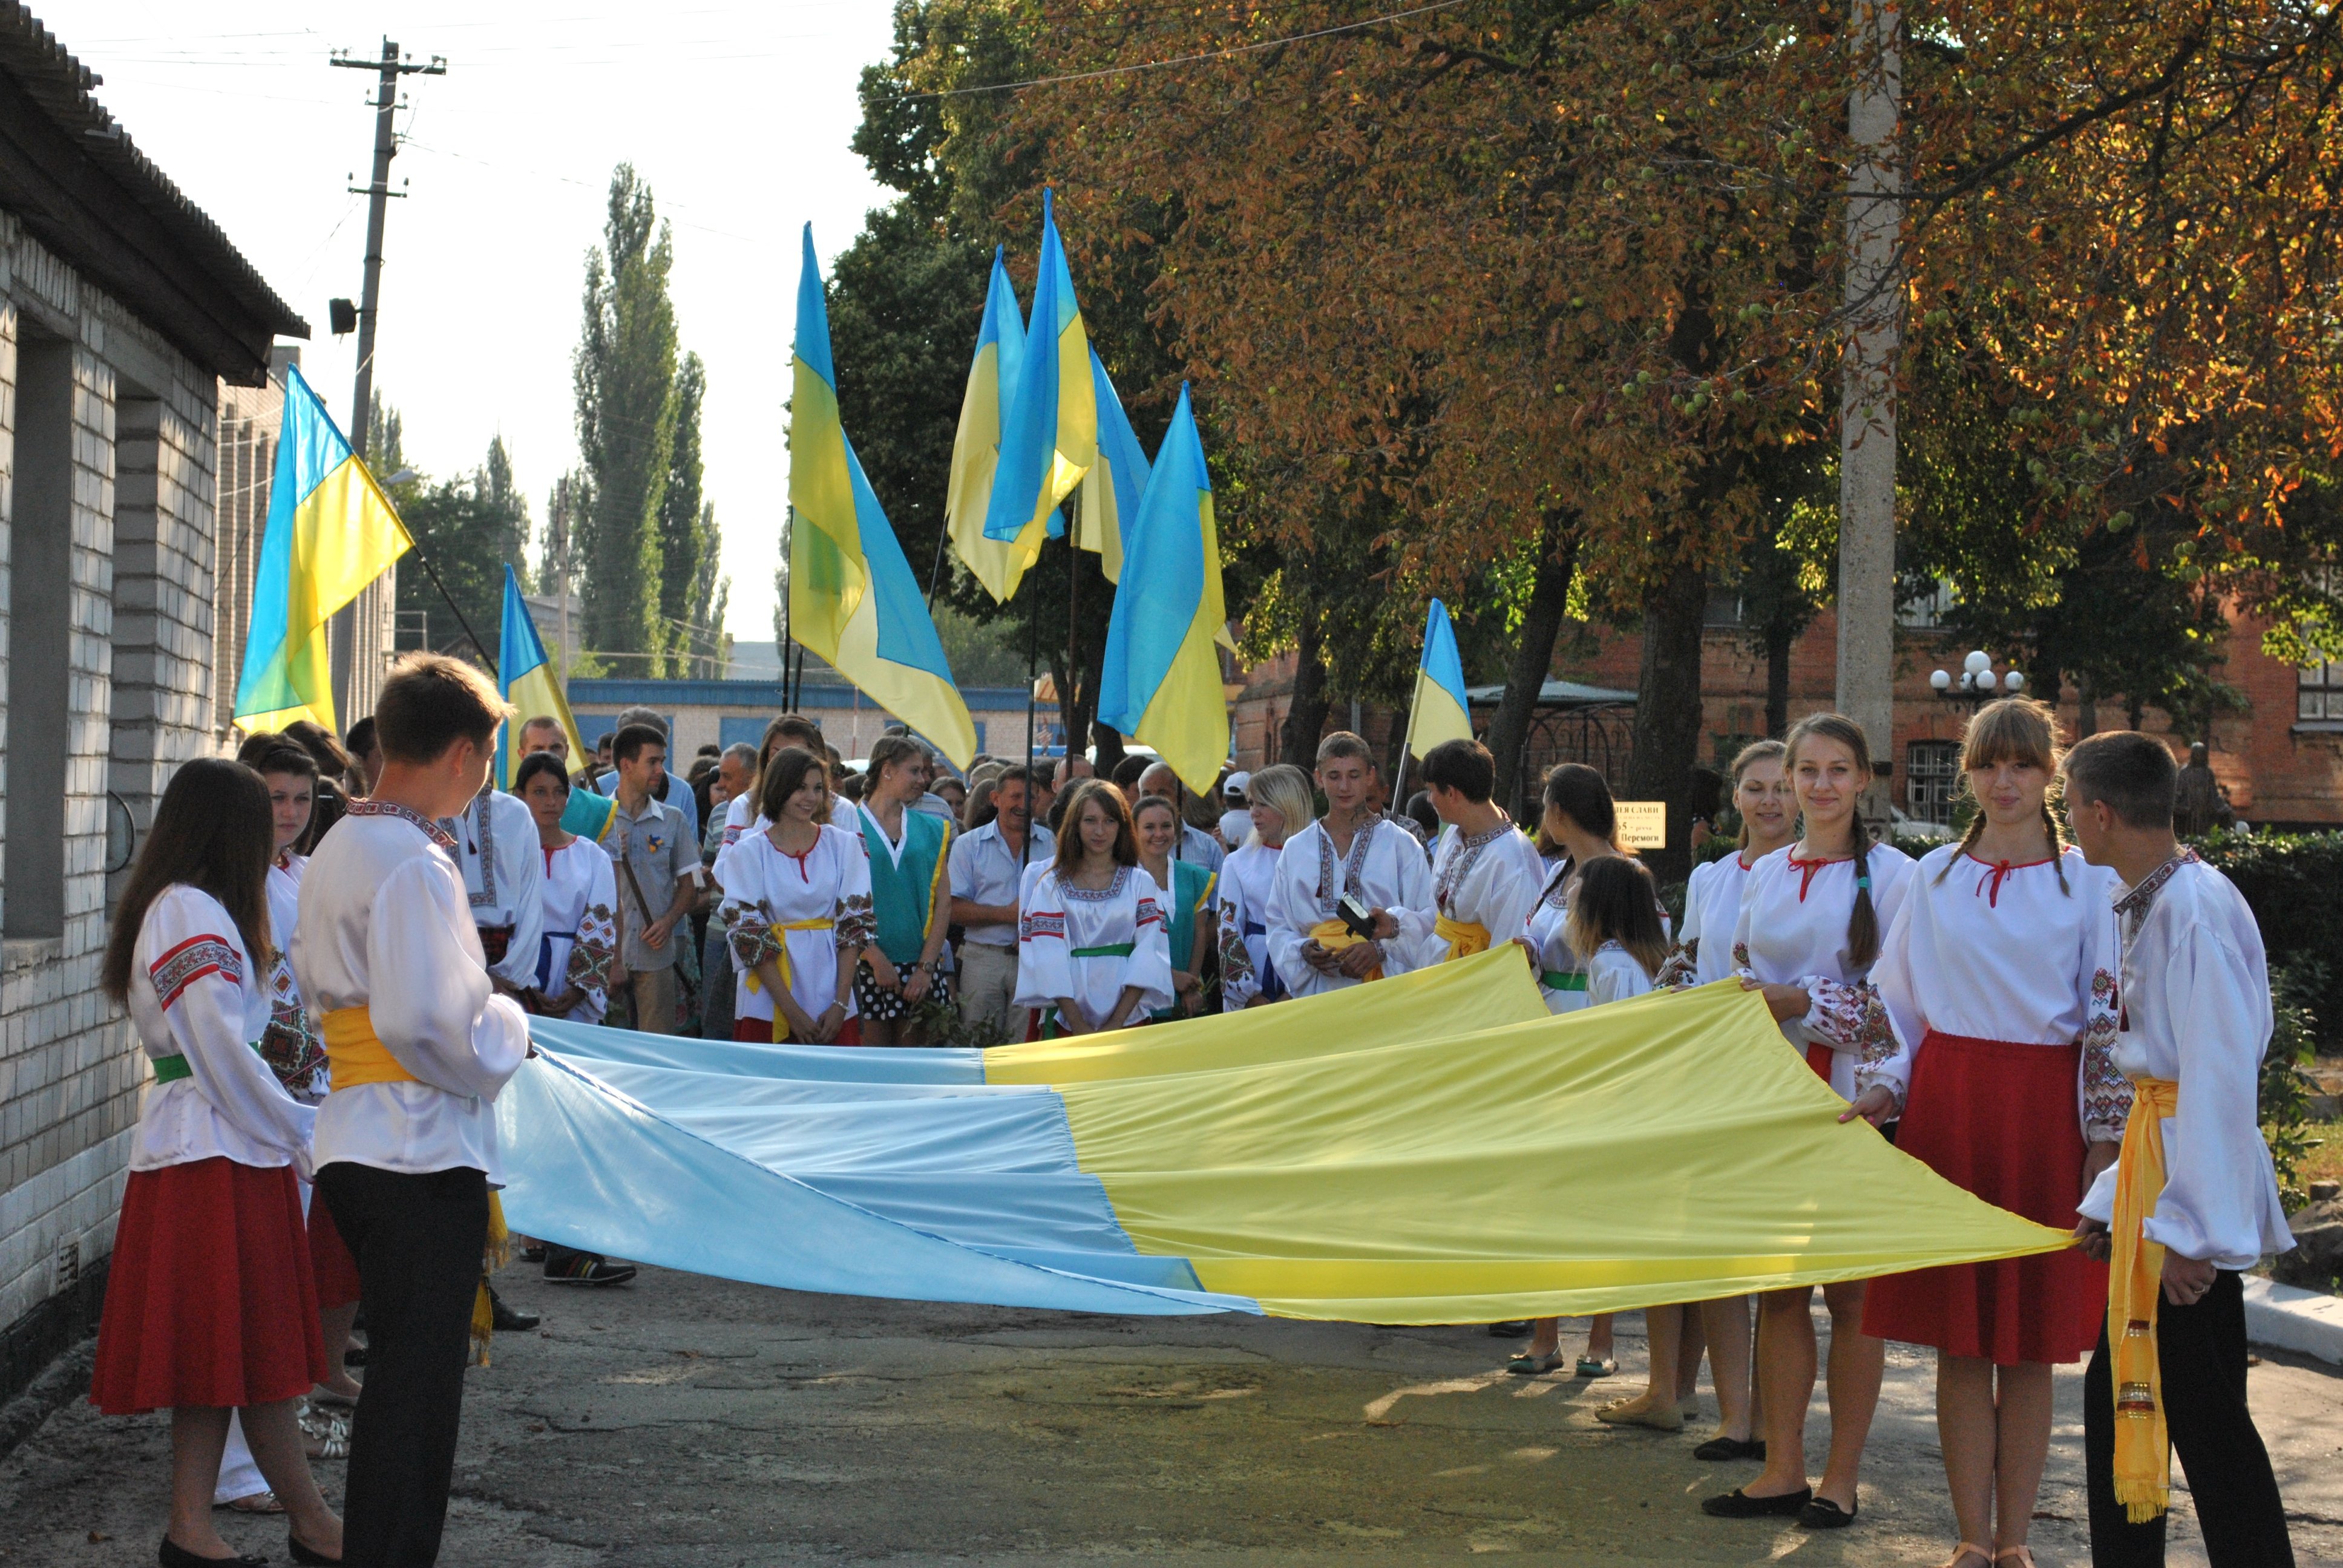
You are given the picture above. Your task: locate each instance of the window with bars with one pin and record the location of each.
(1932, 777)
(2318, 690)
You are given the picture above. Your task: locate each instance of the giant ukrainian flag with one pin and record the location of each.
(852, 597)
(976, 444)
(330, 532)
(1050, 438)
(1388, 1153)
(1113, 489)
(1441, 711)
(1160, 682)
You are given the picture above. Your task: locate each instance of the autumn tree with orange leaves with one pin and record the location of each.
(1520, 301)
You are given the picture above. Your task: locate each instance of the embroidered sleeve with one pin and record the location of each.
(1741, 959)
(188, 963)
(1681, 971)
(1853, 1018)
(2107, 1094)
(289, 1045)
(857, 922)
(595, 950)
(1239, 984)
(754, 940)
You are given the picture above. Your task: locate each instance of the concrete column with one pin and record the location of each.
(1874, 305)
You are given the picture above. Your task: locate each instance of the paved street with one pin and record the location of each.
(690, 1422)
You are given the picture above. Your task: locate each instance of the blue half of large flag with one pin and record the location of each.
(1112, 489)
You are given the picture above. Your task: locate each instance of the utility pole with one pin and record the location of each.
(358, 645)
(1874, 315)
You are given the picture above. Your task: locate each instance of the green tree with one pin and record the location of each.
(624, 373)
(469, 528)
(683, 520)
(509, 509)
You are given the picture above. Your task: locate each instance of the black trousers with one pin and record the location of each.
(2201, 1355)
(417, 1240)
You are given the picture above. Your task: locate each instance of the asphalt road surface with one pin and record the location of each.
(697, 1423)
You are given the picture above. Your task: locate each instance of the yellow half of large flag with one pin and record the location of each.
(330, 532)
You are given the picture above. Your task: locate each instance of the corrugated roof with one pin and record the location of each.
(59, 87)
(1557, 694)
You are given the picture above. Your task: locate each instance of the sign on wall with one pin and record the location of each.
(1642, 824)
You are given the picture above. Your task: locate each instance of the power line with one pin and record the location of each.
(1191, 59)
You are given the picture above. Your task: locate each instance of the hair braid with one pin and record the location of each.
(2058, 846)
(1969, 837)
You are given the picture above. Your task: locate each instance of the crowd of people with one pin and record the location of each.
(2069, 1031)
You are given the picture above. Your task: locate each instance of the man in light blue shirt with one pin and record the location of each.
(987, 867)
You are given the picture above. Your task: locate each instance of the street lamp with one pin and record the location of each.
(1977, 682)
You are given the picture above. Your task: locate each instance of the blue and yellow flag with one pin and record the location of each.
(1049, 440)
(852, 597)
(1112, 489)
(1441, 711)
(976, 446)
(330, 532)
(1160, 684)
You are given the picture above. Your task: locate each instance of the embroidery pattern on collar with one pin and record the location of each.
(2137, 902)
(1112, 891)
(1460, 864)
(1354, 864)
(430, 830)
(486, 819)
(1557, 886)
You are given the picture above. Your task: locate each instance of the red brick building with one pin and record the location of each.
(2281, 760)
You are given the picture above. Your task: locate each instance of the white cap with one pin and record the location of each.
(1236, 784)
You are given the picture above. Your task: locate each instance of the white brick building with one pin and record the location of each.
(122, 308)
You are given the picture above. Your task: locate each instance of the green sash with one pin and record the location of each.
(1556, 979)
(902, 893)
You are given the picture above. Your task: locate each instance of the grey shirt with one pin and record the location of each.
(658, 848)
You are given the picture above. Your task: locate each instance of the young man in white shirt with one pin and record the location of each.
(659, 876)
(1349, 853)
(420, 1045)
(1486, 876)
(2193, 1200)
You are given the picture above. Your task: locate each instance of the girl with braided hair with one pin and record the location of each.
(2008, 1088)
(1811, 914)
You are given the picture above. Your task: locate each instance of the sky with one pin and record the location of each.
(737, 115)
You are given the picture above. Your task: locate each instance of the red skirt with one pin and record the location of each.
(1999, 1119)
(210, 1300)
(760, 1031)
(335, 1271)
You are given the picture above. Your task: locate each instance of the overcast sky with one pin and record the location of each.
(737, 115)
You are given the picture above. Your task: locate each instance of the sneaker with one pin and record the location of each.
(588, 1268)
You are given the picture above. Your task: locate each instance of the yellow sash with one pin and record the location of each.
(1464, 936)
(2143, 1461)
(782, 958)
(355, 1055)
(1335, 937)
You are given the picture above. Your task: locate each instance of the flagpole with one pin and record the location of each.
(1033, 711)
(414, 549)
(936, 572)
(1073, 678)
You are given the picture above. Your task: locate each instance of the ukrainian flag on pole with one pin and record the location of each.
(976, 447)
(1162, 680)
(527, 678)
(330, 532)
(1441, 711)
(1051, 438)
(852, 597)
(1113, 489)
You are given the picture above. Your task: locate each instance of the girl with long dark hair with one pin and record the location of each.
(797, 900)
(1093, 948)
(210, 1308)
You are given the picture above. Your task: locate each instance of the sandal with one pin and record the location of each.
(322, 1397)
(1667, 1418)
(1528, 1365)
(325, 1436)
(258, 1503)
(2023, 1555)
(1589, 1367)
(1966, 1550)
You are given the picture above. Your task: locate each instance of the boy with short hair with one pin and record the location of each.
(419, 1045)
(1485, 873)
(1349, 852)
(659, 874)
(2193, 1199)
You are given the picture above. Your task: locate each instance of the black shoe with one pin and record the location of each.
(1510, 1330)
(508, 1321)
(535, 1254)
(308, 1555)
(173, 1555)
(588, 1268)
(1822, 1513)
(1738, 1505)
(1724, 1448)
(354, 1356)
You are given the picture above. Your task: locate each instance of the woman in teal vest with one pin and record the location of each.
(904, 967)
(1188, 889)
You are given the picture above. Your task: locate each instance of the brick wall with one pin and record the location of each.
(136, 670)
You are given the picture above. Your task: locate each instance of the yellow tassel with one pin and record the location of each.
(495, 1255)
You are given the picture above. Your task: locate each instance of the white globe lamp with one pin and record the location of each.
(1977, 662)
(1940, 680)
(2014, 681)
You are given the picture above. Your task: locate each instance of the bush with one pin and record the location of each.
(2294, 883)
(2285, 1088)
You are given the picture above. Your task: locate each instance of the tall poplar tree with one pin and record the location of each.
(625, 380)
(682, 543)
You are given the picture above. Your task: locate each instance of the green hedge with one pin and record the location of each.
(2294, 882)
